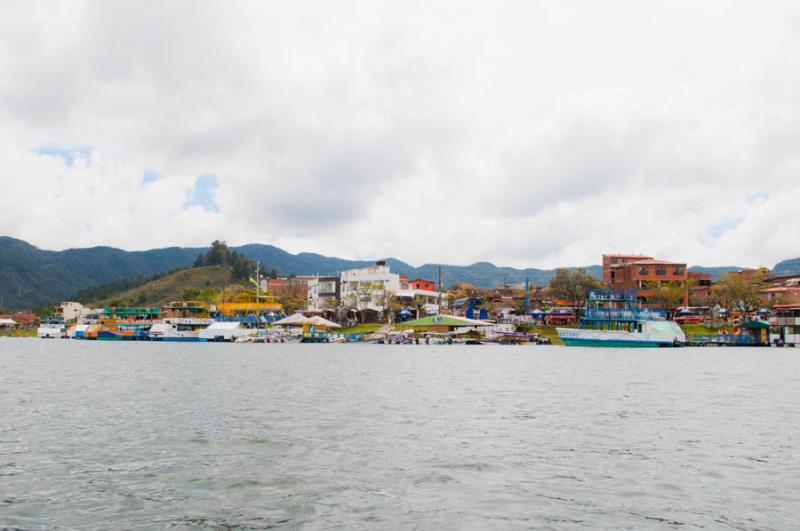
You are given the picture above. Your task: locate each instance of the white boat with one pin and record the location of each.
(51, 330)
(646, 334)
(224, 331)
(615, 318)
(179, 329)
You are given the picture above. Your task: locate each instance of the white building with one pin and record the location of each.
(323, 293)
(369, 288)
(71, 311)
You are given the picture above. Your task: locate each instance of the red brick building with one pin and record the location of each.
(637, 272)
(613, 260)
(700, 291)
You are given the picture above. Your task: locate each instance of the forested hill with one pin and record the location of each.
(32, 277)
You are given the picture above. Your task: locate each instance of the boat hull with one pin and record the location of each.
(573, 337)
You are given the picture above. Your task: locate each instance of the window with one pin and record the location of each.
(644, 270)
(614, 260)
(661, 271)
(678, 270)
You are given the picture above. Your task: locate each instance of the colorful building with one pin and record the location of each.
(422, 284)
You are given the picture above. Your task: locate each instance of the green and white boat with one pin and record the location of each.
(615, 318)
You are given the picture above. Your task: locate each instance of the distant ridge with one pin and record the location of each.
(787, 267)
(31, 277)
(715, 271)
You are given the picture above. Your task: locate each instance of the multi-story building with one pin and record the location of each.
(611, 261)
(324, 293)
(71, 311)
(369, 288)
(641, 274)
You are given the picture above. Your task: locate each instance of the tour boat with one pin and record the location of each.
(615, 318)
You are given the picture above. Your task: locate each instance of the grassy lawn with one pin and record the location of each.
(361, 329)
(21, 332)
(698, 329)
(544, 331)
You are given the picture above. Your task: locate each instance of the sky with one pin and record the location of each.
(530, 133)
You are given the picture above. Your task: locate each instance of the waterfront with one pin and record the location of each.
(142, 435)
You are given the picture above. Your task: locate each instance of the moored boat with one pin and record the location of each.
(51, 329)
(615, 318)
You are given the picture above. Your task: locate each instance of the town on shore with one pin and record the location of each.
(640, 301)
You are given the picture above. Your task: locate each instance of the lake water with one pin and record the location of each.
(149, 435)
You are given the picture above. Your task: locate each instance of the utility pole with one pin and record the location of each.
(439, 311)
(527, 300)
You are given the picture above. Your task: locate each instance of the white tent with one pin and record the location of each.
(321, 321)
(7, 322)
(297, 319)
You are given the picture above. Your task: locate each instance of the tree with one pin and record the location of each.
(739, 290)
(572, 285)
(218, 254)
(669, 295)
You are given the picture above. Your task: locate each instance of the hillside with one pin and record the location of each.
(787, 267)
(31, 277)
(169, 287)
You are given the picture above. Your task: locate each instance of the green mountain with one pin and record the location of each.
(32, 277)
(787, 267)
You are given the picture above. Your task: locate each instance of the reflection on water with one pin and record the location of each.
(138, 435)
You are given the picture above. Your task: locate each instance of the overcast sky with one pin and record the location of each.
(521, 133)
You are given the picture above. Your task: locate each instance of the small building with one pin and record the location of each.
(294, 287)
(445, 323)
(422, 284)
(787, 324)
(424, 302)
(700, 289)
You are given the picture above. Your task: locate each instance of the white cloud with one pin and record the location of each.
(518, 133)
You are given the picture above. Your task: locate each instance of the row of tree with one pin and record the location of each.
(739, 292)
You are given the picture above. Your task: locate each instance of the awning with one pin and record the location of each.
(297, 319)
(757, 324)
